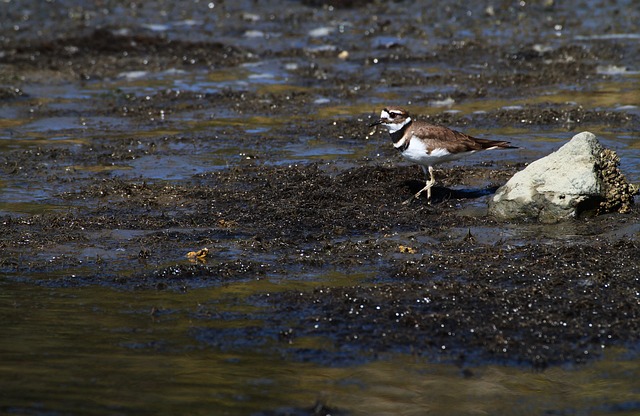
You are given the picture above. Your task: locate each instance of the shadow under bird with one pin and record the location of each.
(428, 145)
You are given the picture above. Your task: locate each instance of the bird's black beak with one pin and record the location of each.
(375, 123)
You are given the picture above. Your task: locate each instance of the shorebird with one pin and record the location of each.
(428, 145)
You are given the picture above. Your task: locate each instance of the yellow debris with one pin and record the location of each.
(200, 255)
(406, 249)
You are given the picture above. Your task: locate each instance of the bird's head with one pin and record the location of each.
(393, 119)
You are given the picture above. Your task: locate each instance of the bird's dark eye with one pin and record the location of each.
(393, 115)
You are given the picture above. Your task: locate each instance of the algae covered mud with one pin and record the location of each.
(133, 133)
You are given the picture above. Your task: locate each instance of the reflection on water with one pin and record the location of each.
(134, 352)
(22, 199)
(30, 208)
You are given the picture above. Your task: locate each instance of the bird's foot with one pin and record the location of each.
(416, 196)
(408, 201)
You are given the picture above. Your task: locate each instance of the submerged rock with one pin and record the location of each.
(580, 177)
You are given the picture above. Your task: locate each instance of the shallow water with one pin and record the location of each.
(189, 159)
(101, 351)
(89, 346)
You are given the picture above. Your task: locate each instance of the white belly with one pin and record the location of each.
(417, 153)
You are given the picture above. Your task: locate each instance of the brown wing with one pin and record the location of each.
(440, 137)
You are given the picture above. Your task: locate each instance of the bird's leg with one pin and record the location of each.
(429, 183)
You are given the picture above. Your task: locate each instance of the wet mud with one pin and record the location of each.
(441, 280)
(435, 291)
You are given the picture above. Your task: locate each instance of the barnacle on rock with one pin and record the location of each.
(618, 192)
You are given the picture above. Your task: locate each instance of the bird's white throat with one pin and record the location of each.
(393, 127)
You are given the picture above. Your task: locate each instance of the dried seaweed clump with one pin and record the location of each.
(618, 191)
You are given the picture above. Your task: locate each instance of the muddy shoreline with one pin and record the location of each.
(443, 281)
(551, 299)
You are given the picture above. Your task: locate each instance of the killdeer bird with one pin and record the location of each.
(428, 145)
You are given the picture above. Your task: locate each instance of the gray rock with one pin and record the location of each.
(570, 181)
